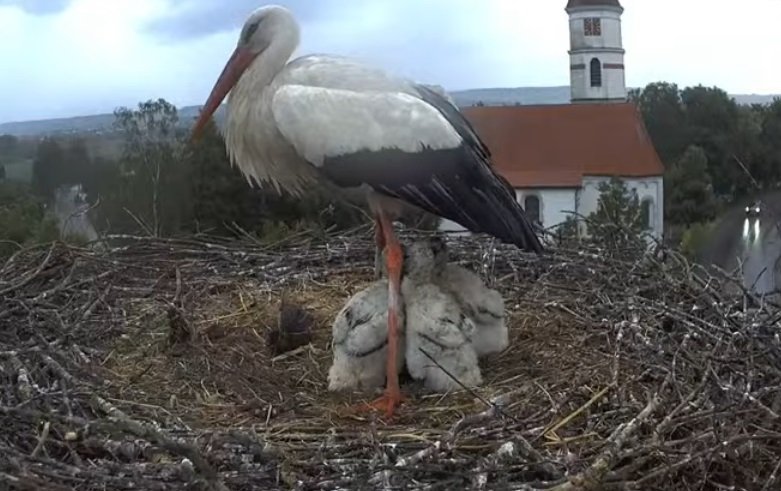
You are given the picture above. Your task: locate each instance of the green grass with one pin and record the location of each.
(19, 171)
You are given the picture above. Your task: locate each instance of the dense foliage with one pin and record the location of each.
(22, 219)
(618, 208)
(620, 226)
(689, 192)
(162, 183)
(703, 135)
(150, 178)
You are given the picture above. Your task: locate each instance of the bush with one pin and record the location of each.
(23, 219)
(694, 238)
(618, 224)
(567, 233)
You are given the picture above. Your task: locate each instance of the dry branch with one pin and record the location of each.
(622, 373)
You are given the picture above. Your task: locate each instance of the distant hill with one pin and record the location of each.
(100, 123)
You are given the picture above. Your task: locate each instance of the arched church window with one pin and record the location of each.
(646, 213)
(531, 204)
(596, 73)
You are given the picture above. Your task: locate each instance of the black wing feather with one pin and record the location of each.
(458, 184)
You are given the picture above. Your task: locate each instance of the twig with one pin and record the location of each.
(41, 440)
(493, 406)
(592, 477)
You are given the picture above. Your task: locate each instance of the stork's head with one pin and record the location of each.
(265, 26)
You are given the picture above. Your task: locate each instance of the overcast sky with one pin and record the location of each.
(74, 57)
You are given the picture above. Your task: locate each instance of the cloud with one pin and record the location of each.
(72, 64)
(196, 18)
(65, 58)
(37, 7)
(454, 43)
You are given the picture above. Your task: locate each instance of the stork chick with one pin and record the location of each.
(293, 330)
(360, 328)
(360, 340)
(436, 324)
(485, 306)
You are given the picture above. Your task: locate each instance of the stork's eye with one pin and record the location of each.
(250, 31)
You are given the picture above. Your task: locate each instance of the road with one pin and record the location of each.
(750, 246)
(758, 252)
(72, 218)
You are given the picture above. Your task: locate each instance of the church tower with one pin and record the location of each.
(596, 51)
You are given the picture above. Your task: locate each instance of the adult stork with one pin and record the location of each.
(328, 119)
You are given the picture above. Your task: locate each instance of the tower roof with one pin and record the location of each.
(593, 3)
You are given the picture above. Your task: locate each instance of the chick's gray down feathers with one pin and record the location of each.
(446, 310)
(485, 306)
(437, 325)
(360, 340)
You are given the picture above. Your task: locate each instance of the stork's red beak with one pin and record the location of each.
(236, 65)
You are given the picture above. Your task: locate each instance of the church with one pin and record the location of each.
(557, 155)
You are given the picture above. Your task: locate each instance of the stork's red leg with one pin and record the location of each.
(393, 396)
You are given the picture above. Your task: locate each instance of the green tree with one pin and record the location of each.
(24, 148)
(23, 220)
(618, 223)
(77, 163)
(748, 148)
(152, 190)
(567, 233)
(47, 168)
(689, 197)
(220, 194)
(712, 118)
(770, 145)
(664, 117)
(9, 147)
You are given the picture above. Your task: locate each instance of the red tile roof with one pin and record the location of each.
(556, 145)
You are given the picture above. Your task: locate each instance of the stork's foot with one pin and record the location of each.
(388, 403)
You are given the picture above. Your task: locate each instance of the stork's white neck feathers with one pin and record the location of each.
(246, 110)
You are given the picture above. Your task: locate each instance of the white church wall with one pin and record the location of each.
(450, 226)
(554, 203)
(647, 188)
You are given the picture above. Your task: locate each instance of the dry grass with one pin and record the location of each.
(229, 378)
(620, 374)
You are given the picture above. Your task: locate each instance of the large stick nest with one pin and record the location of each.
(144, 365)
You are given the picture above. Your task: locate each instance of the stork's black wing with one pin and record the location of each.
(458, 183)
(417, 148)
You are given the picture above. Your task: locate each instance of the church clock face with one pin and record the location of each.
(592, 26)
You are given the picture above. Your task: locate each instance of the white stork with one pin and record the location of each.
(327, 119)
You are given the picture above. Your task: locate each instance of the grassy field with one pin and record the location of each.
(21, 170)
